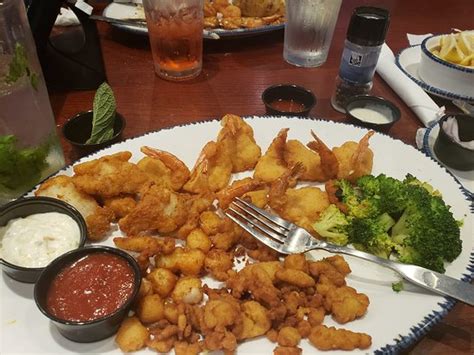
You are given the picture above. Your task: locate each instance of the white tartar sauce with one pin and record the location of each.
(35, 240)
(373, 114)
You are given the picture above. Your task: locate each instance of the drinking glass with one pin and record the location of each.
(29, 146)
(308, 31)
(175, 31)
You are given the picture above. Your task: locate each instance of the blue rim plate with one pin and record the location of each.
(123, 11)
(465, 178)
(421, 310)
(408, 60)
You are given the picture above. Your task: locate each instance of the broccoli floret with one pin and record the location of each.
(427, 233)
(389, 193)
(332, 225)
(357, 205)
(370, 234)
(397, 286)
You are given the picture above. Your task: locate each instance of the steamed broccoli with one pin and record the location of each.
(332, 225)
(427, 233)
(385, 216)
(370, 234)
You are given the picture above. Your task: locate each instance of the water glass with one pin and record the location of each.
(175, 31)
(29, 146)
(308, 31)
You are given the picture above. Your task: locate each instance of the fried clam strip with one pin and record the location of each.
(244, 151)
(301, 206)
(355, 159)
(164, 168)
(272, 164)
(97, 218)
(281, 300)
(109, 176)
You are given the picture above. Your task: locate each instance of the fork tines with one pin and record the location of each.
(267, 228)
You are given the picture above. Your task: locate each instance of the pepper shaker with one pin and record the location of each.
(365, 37)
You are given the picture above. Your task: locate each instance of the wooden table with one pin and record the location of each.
(235, 73)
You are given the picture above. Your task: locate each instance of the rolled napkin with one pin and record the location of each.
(66, 17)
(450, 126)
(414, 96)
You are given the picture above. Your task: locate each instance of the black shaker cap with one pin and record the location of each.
(368, 26)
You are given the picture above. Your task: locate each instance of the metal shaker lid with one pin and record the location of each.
(368, 26)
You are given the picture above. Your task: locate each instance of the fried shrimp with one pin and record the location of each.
(236, 189)
(296, 152)
(97, 218)
(272, 164)
(244, 150)
(109, 176)
(160, 209)
(212, 170)
(164, 167)
(277, 198)
(301, 206)
(355, 159)
(329, 162)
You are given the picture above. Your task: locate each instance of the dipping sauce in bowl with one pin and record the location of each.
(287, 105)
(35, 240)
(87, 292)
(372, 112)
(36, 230)
(90, 288)
(288, 99)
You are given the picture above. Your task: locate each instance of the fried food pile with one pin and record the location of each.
(171, 219)
(231, 15)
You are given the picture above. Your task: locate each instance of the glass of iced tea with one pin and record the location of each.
(175, 32)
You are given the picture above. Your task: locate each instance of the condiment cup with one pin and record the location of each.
(372, 112)
(27, 206)
(78, 128)
(85, 331)
(286, 93)
(450, 152)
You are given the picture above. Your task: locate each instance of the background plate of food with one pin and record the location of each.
(221, 18)
(122, 177)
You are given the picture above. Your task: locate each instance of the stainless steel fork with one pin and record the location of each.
(287, 238)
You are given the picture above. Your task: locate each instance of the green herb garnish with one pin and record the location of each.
(20, 167)
(19, 67)
(103, 115)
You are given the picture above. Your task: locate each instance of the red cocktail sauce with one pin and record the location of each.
(91, 287)
(285, 105)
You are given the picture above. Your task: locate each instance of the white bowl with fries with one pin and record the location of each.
(447, 61)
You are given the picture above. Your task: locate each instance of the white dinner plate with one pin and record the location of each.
(129, 11)
(408, 61)
(465, 178)
(394, 320)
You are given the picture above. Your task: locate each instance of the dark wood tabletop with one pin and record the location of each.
(235, 73)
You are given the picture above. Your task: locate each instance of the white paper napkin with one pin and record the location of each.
(66, 17)
(414, 96)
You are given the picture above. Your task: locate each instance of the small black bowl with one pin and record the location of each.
(24, 207)
(303, 100)
(86, 331)
(78, 128)
(372, 112)
(449, 151)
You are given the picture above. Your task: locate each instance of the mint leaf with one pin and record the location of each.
(18, 68)
(103, 115)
